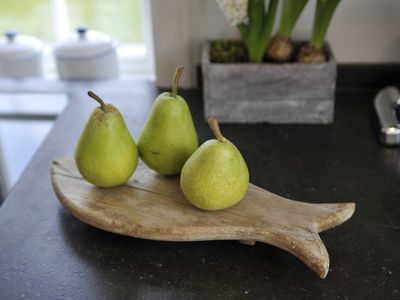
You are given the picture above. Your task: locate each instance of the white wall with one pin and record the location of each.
(362, 31)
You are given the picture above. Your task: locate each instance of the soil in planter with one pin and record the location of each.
(233, 51)
(228, 51)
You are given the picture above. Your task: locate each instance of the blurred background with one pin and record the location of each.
(52, 21)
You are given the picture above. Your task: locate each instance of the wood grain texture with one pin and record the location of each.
(151, 206)
(269, 92)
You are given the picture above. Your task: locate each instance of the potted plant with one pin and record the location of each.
(259, 79)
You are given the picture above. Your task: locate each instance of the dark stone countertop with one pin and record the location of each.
(46, 253)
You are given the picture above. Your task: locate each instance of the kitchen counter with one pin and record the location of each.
(46, 253)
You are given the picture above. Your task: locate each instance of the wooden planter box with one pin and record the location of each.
(269, 92)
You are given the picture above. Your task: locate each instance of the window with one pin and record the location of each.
(127, 21)
(28, 17)
(25, 120)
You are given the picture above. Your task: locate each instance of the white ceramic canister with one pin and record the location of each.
(86, 54)
(20, 56)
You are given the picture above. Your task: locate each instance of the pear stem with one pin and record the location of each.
(98, 99)
(213, 122)
(175, 82)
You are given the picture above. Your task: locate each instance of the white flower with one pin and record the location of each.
(235, 11)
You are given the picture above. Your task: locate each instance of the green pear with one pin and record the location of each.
(168, 137)
(216, 175)
(106, 154)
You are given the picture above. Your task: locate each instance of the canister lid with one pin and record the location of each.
(14, 46)
(84, 43)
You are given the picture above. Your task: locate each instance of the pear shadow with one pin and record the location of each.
(139, 268)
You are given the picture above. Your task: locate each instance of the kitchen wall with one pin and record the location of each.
(362, 31)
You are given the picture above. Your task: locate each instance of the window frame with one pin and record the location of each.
(134, 59)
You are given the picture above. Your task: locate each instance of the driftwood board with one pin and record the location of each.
(152, 206)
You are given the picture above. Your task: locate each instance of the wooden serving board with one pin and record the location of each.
(151, 206)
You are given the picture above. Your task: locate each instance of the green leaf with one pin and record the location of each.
(257, 33)
(256, 15)
(244, 31)
(323, 16)
(291, 11)
(268, 24)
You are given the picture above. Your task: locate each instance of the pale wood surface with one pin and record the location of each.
(151, 206)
